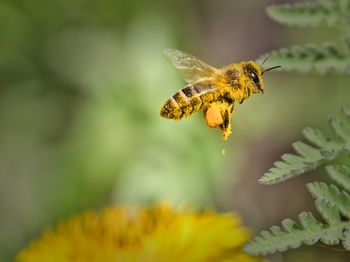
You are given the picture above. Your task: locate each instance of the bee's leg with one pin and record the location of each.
(226, 125)
(218, 114)
(242, 101)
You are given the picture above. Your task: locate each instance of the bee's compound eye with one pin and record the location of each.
(254, 77)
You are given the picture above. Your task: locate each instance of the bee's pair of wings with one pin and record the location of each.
(191, 68)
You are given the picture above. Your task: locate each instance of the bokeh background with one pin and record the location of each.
(81, 85)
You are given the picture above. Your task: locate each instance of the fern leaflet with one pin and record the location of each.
(306, 14)
(340, 199)
(310, 157)
(304, 59)
(340, 174)
(292, 235)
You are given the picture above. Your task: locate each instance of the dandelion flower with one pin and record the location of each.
(157, 233)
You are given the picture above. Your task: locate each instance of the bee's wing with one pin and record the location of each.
(190, 67)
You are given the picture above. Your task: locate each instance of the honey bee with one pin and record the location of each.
(212, 90)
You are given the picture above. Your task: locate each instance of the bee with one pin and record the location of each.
(212, 90)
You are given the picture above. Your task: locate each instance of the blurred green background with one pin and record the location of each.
(81, 85)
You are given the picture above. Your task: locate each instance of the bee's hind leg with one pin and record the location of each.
(219, 114)
(226, 125)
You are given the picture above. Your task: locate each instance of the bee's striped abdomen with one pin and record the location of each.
(185, 102)
(193, 94)
(179, 105)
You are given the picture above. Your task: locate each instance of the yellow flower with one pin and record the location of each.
(151, 234)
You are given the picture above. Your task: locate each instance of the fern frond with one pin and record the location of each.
(346, 239)
(292, 235)
(332, 203)
(330, 214)
(328, 211)
(310, 157)
(341, 127)
(305, 14)
(340, 199)
(304, 59)
(293, 165)
(340, 174)
(329, 147)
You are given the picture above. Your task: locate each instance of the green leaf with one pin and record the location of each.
(340, 199)
(333, 236)
(291, 235)
(293, 165)
(330, 214)
(309, 223)
(330, 202)
(340, 174)
(329, 147)
(310, 157)
(304, 59)
(304, 14)
(308, 152)
(346, 239)
(341, 128)
(283, 171)
(328, 211)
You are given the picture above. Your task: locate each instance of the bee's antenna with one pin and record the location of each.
(271, 68)
(265, 59)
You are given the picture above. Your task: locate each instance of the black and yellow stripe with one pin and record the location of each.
(185, 102)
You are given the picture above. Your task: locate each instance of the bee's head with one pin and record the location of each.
(253, 76)
(247, 76)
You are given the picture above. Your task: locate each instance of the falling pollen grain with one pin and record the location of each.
(223, 151)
